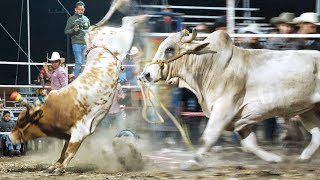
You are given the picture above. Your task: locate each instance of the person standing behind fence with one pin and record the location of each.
(308, 23)
(166, 24)
(6, 125)
(57, 75)
(285, 25)
(77, 26)
(250, 42)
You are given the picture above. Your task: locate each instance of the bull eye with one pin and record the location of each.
(170, 49)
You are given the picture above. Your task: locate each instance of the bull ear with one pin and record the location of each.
(197, 46)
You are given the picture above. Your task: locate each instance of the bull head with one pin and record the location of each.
(26, 118)
(172, 49)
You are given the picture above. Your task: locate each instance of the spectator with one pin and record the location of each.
(3, 107)
(41, 93)
(308, 23)
(6, 125)
(166, 24)
(114, 117)
(220, 24)
(77, 26)
(250, 42)
(131, 72)
(285, 25)
(42, 78)
(58, 76)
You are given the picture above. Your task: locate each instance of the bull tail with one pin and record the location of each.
(115, 5)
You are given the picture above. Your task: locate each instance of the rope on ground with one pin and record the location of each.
(181, 127)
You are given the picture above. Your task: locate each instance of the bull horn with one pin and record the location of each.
(115, 5)
(193, 36)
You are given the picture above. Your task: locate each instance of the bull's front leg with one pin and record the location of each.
(60, 160)
(222, 113)
(77, 136)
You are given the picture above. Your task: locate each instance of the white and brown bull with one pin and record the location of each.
(237, 88)
(73, 112)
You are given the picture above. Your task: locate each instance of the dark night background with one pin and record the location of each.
(47, 25)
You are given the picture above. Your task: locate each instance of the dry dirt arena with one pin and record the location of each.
(96, 161)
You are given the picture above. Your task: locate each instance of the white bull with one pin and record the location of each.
(237, 88)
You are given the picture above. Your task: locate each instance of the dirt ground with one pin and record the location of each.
(223, 163)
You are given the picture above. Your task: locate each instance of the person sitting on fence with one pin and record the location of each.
(6, 124)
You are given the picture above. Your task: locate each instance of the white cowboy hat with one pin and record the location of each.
(134, 50)
(308, 17)
(285, 17)
(252, 28)
(56, 56)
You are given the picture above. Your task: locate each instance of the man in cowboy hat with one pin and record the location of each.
(308, 23)
(250, 42)
(58, 76)
(285, 25)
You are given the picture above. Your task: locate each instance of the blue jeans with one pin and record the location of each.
(8, 143)
(78, 52)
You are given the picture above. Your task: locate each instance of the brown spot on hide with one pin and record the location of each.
(62, 110)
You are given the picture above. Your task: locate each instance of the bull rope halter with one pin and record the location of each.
(21, 130)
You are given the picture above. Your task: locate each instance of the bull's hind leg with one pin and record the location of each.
(249, 142)
(312, 123)
(61, 159)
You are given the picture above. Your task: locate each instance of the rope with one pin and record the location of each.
(184, 134)
(16, 43)
(18, 54)
(64, 8)
(144, 109)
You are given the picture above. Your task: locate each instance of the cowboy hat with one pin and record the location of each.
(251, 28)
(134, 50)
(308, 17)
(56, 56)
(285, 17)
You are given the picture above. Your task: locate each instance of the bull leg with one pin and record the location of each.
(60, 160)
(68, 155)
(249, 143)
(221, 115)
(311, 122)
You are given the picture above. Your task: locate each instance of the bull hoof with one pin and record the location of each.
(58, 172)
(302, 160)
(272, 158)
(191, 165)
(48, 171)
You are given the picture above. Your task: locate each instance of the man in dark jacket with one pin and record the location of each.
(77, 26)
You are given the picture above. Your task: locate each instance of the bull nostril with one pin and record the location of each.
(147, 75)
